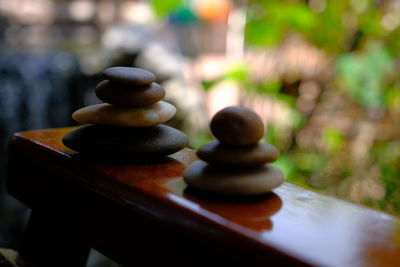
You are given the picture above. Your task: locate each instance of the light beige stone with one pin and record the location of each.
(203, 176)
(106, 114)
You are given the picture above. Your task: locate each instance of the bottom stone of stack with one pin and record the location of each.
(155, 141)
(256, 181)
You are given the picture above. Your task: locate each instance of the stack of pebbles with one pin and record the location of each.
(129, 123)
(236, 163)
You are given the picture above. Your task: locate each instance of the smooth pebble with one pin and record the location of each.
(203, 176)
(159, 140)
(237, 125)
(220, 154)
(130, 76)
(128, 95)
(106, 114)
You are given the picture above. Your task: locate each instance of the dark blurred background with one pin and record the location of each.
(323, 75)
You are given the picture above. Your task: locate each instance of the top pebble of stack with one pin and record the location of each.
(237, 125)
(129, 76)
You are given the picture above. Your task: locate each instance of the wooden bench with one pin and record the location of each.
(143, 214)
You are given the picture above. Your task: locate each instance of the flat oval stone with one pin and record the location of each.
(130, 76)
(237, 125)
(219, 154)
(159, 140)
(129, 96)
(203, 176)
(107, 114)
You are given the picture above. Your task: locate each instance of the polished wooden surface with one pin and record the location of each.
(291, 223)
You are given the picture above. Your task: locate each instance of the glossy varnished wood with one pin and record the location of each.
(121, 206)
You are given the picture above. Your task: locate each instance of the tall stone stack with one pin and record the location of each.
(129, 123)
(236, 164)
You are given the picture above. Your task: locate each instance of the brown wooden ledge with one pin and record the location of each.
(144, 212)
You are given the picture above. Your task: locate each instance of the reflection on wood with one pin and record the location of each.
(292, 225)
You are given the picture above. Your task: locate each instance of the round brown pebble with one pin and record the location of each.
(216, 153)
(130, 76)
(237, 125)
(129, 96)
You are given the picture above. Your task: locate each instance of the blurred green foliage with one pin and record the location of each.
(164, 7)
(364, 75)
(269, 21)
(364, 55)
(359, 141)
(332, 138)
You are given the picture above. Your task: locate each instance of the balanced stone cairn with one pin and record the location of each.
(236, 163)
(130, 122)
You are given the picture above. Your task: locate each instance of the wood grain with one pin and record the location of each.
(120, 205)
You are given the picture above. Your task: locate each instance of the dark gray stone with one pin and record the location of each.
(128, 95)
(130, 76)
(154, 141)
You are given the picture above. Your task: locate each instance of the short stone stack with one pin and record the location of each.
(130, 122)
(236, 164)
